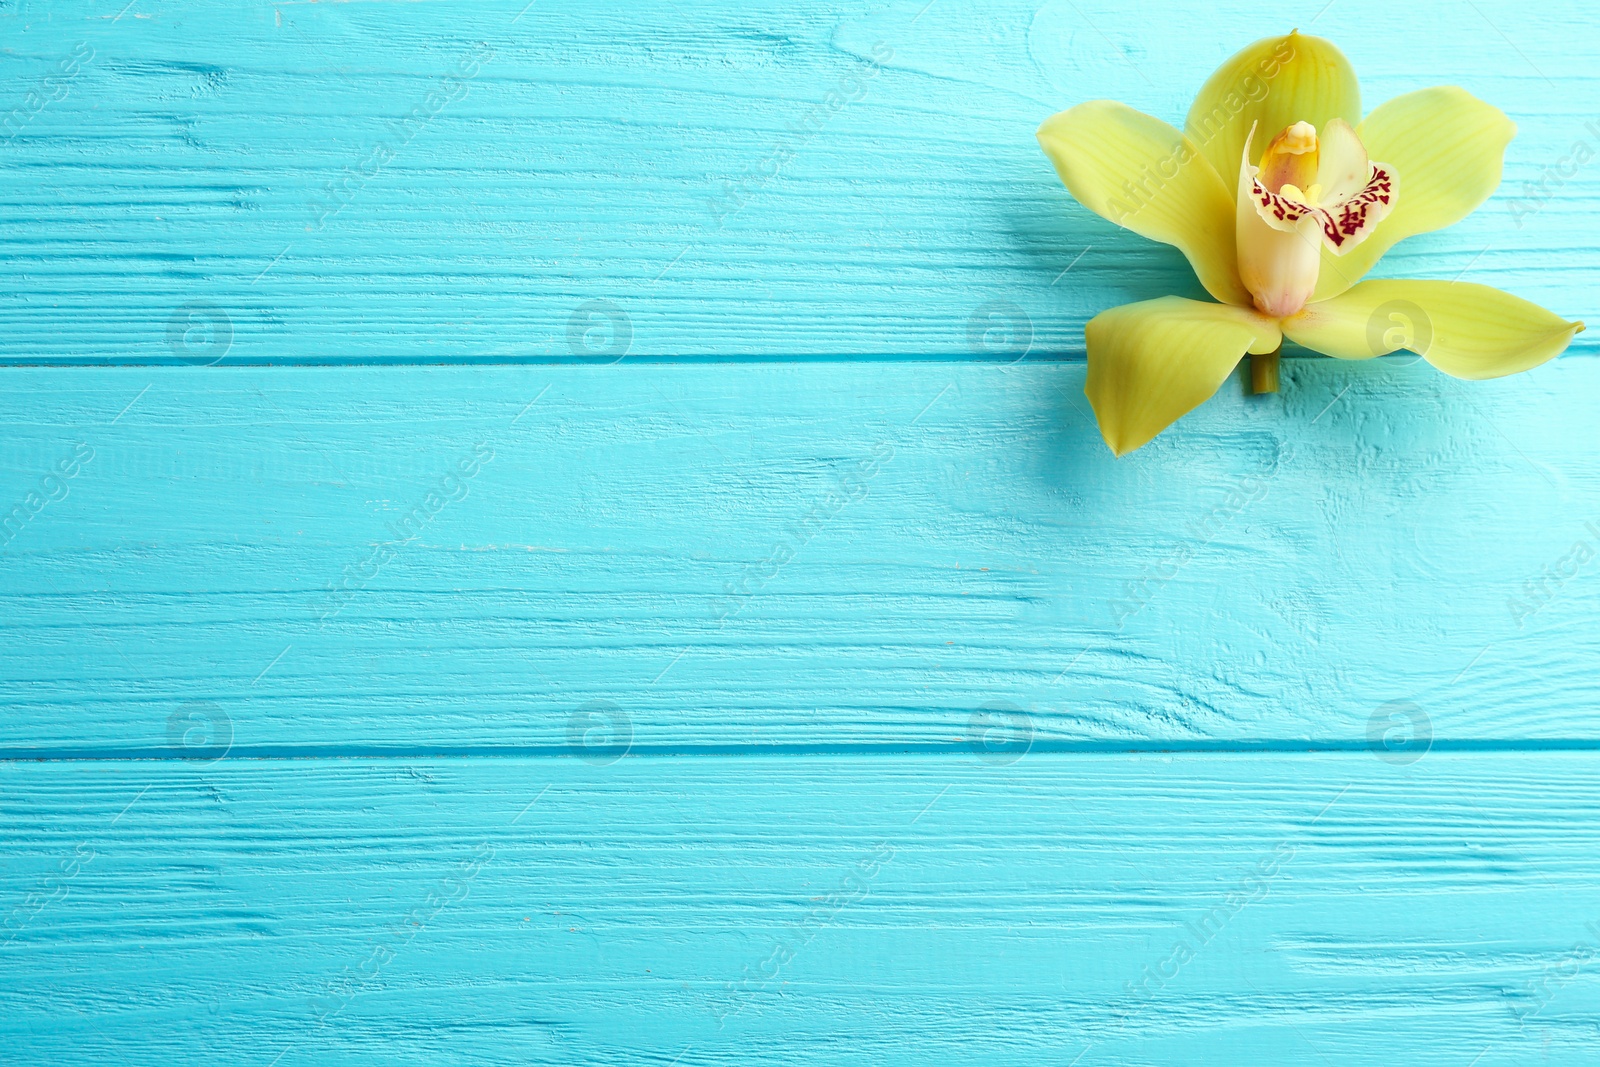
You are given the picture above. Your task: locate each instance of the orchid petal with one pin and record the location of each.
(1142, 174)
(1343, 166)
(1151, 362)
(1275, 82)
(1466, 330)
(1446, 146)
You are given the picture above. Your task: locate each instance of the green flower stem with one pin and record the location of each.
(1264, 371)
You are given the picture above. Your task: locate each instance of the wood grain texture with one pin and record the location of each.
(807, 685)
(840, 554)
(821, 910)
(310, 175)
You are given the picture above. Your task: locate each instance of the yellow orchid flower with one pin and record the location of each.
(1286, 250)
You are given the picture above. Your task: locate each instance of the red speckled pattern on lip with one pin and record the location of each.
(1343, 225)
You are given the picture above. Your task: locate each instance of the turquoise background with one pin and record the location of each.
(544, 542)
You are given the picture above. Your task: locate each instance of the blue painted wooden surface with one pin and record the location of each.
(734, 656)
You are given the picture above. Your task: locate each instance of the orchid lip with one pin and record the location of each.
(1344, 224)
(1310, 192)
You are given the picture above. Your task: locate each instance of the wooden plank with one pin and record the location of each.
(824, 910)
(289, 182)
(757, 555)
